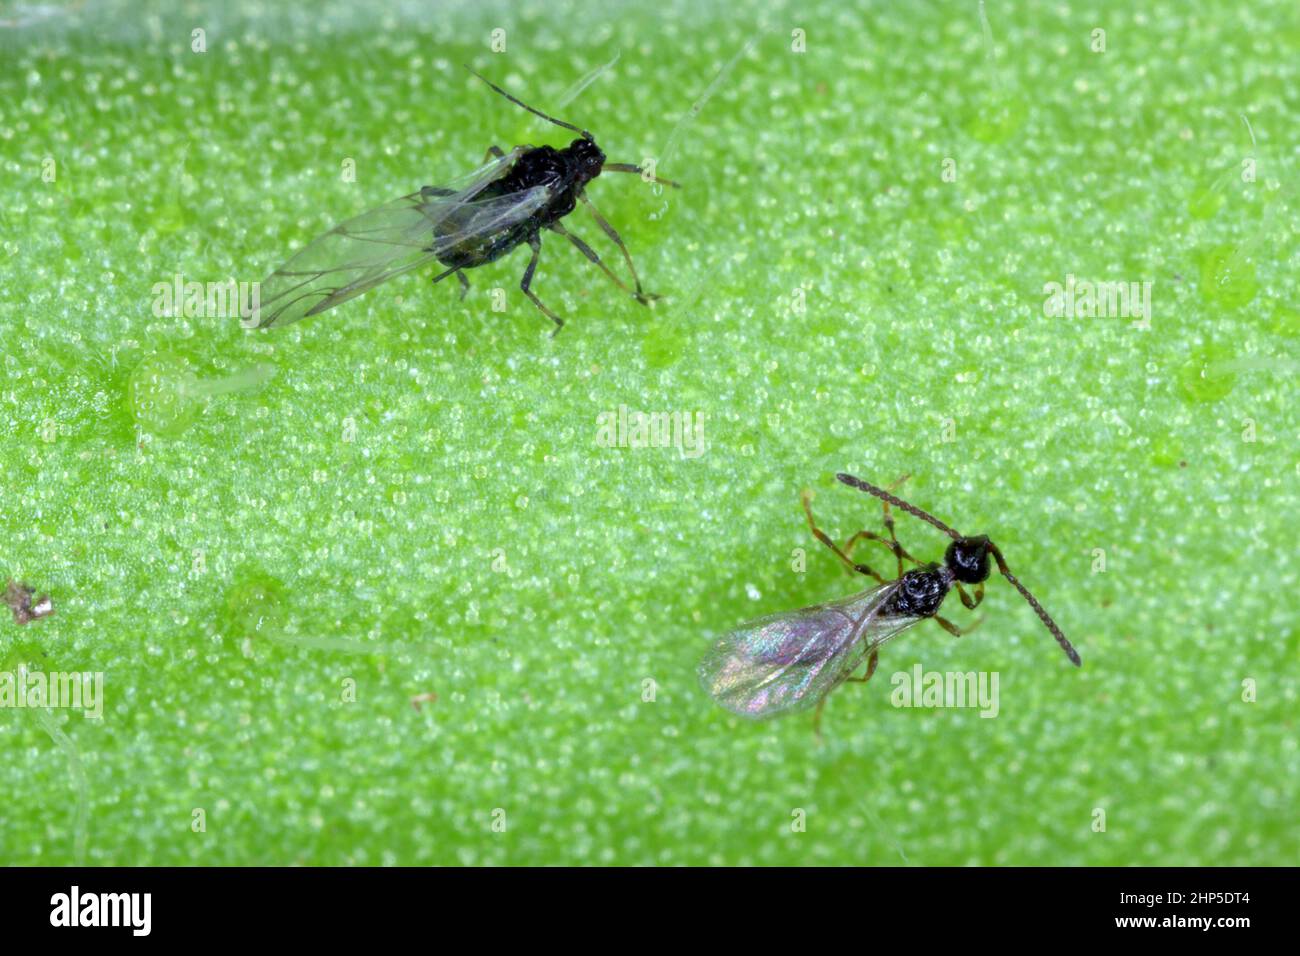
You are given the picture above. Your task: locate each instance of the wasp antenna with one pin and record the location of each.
(1043, 616)
(536, 112)
(897, 502)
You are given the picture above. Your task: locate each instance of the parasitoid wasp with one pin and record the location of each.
(791, 661)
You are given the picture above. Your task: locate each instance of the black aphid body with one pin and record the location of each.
(511, 201)
(564, 172)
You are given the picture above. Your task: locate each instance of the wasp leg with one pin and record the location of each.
(891, 542)
(535, 243)
(889, 526)
(645, 298)
(806, 497)
(464, 284)
(640, 171)
(895, 548)
(872, 661)
(953, 629)
(971, 603)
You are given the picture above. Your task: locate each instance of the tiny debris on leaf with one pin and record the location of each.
(19, 598)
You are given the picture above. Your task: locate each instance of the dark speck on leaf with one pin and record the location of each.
(22, 600)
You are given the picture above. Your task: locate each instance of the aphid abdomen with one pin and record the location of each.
(541, 166)
(482, 249)
(558, 208)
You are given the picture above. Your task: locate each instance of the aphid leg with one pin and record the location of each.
(645, 298)
(966, 599)
(442, 275)
(525, 284)
(806, 497)
(634, 168)
(872, 661)
(494, 152)
(590, 253)
(953, 629)
(464, 284)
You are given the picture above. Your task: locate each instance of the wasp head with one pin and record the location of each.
(968, 559)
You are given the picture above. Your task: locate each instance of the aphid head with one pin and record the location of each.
(586, 157)
(968, 559)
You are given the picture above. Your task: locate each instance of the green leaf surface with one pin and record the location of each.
(271, 542)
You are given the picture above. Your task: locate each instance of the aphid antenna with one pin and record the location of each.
(573, 92)
(536, 112)
(990, 59)
(899, 503)
(717, 81)
(883, 495)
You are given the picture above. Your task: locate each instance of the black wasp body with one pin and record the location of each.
(791, 660)
(921, 591)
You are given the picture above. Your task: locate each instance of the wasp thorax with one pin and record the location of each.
(920, 592)
(968, 559)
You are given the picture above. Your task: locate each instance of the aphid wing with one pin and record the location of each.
(788, 661)
(472, 183)
(351, 258)
(363, 252)
(483, 217)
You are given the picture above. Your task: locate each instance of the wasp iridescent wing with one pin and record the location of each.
(359, 254)
(787, 662)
